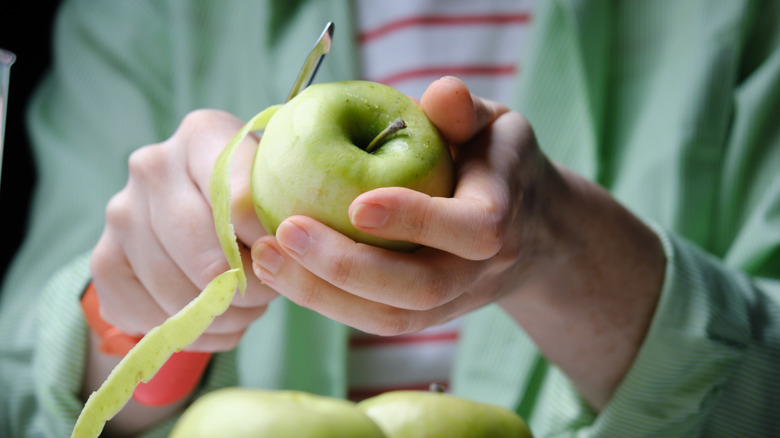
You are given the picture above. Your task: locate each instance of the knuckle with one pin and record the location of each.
(208, 266)
(342, 269)
(118, 210)
(392, 322)
(202, 123)
(100, 266)
(99, 261)
(130, 326)
(508, 255)
(493, 228)
(196, 119)
(424, 225)
(517, 120)
(433, 292)
(307, 297)
(216, 342)
(147, 162)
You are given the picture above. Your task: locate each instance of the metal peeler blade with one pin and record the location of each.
(313, 61)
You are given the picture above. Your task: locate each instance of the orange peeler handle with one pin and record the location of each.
(177, 378)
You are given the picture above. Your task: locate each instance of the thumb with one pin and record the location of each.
(458, 114)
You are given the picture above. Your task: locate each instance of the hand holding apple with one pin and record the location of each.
(555, 250)
(388, 292)
(335, 141)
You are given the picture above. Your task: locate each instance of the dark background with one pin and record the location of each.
(26, 31)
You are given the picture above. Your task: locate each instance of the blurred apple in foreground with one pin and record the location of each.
(337, 140)
(412, 414)
(255, 413)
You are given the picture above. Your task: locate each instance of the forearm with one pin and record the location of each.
(589, 305)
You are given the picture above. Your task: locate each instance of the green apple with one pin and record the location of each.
(412, 414)
(314, 157)
(253, 413)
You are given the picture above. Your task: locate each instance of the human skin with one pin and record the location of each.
(577, 271)
(515, 223)
(158, 249)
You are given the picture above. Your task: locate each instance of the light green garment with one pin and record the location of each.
(673, 105)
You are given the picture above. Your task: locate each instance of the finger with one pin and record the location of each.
(469, 227)
(210, 131)
(306, 289)
(187, 261)
(216, 342)
(124, 302)
(418, 281)
(473, 223)
(257, 294)
(235, 319)
(168, 237)
(456, 113)
(198, 249)
(185, 219)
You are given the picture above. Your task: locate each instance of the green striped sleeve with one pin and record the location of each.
(60, 351)
(708, 366)
(701, 366)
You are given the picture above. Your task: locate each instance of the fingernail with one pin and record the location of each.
(267, 257)
(452, 78)
(369, 215)
(293, 237)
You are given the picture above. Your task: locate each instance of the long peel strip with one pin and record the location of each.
(219, 190)
(144, 360)
(181, 329)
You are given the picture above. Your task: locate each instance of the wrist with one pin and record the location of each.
(588, 301)
(174, 382)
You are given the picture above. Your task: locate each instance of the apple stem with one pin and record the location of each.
(397, 125)
(435, 387)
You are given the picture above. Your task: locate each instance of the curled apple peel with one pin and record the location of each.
(148, 356)
(219, 190)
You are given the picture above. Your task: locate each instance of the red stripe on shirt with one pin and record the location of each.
(443, 20)
(370, 341)
(437, 72)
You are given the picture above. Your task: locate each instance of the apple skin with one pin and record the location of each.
(310, 159)
(412, 414)
(254, 413)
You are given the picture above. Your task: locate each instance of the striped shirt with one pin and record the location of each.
(672, 104)
(478, 42)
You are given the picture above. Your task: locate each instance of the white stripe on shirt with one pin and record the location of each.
(478, 41)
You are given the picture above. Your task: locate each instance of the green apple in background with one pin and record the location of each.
(254, 413)
(412, 414)
(314, 157)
